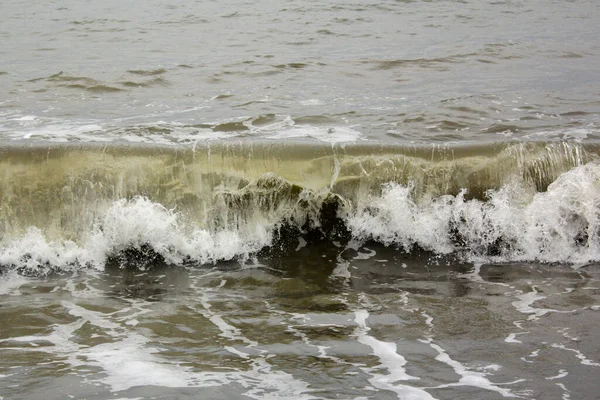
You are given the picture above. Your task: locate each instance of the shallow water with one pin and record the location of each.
(309, 199)
(322, 322)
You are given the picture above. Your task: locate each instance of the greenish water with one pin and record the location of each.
(299, 200)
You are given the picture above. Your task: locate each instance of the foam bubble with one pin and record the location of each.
(467, 376)
(133, 224)
(337, 134)
(559, 225)
(153, 131)
(390, 360)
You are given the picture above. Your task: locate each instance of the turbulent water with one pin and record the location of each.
(308, 199)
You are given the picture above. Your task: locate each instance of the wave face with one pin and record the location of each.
(66, 207)
(559, 225)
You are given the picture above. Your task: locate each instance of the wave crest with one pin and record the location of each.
(559, 225)
(66, 208)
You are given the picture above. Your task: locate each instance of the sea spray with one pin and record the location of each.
(66, 207)
(559, 225)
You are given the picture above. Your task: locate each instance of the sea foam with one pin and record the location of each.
(559, 225)
(513, 223)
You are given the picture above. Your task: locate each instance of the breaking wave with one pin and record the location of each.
(66, 208)
(559, 225)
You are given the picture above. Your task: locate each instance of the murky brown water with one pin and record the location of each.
(319, 323)
(299, 200)
(394, 71)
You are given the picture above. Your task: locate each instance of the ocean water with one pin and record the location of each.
(299, 200)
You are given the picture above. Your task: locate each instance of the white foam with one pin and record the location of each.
(399, 220)
(305, 320)
(131, 359)
(33, 127)
(59, 339)
(301, 244)
(561, 374)
(390, 360)
(126, 398)
(583, 359)
(566, 392)
(34, 253)
(311, 102)
(467, 376)
(559, 225)
(511, 338)
(337, 134)
(524, 304)
(533, 354)
(128, 361)
(262, 381)
(341, 270)
(578, 134)
(132, 362)
(565, 333)
(26, 118)
(10, 283)
(428, 320)
(365, 256)
(131, 224)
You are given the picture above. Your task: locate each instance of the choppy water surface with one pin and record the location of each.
(182, 71)
(307, 199)
(323, 323)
